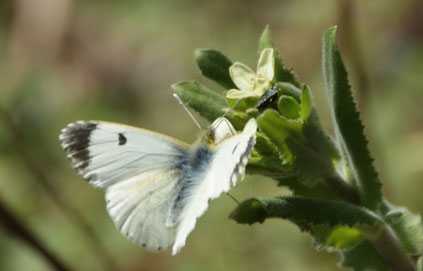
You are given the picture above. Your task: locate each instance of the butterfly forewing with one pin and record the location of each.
(106, 153)
(140, 171)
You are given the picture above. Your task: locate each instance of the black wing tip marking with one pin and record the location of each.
(75, 139)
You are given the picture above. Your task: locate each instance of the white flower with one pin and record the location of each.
(250, 83)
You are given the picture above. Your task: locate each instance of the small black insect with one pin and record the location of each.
(267, 98)
(122, 139)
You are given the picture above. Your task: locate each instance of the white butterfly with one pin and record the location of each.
(156, 186)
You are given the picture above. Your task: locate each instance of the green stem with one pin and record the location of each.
(344, 190)
(389, 248)
(386, 243)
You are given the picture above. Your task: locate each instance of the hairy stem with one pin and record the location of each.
(386, 243)
(344, 190)
(389, 248)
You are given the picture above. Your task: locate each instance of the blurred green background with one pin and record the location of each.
(64, 60)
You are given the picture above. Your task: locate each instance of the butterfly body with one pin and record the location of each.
(156, 186)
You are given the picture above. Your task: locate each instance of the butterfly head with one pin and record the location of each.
(218, 131)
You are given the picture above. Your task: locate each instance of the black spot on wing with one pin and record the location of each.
(75, 141)
(122, 139)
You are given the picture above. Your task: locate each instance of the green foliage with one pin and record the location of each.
(288, 107)
(278, 128)
(208, 103)
(337, 194)
(408, 228)
(289, 89)
(298, 188)
(363, 257)
(215, 66)
(282, 74)
(306, 104)
(337, 237)
(346, 121)
(306, 212)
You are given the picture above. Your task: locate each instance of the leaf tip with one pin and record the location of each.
(249, 212)
(199, 52)
(330, 33)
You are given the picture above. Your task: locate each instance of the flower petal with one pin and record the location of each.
(266, 64)
(236, 94)
(242, 76)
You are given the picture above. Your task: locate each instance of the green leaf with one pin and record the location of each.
(363, 257)
(343, 237)
(277, 126)
(277, 129)
(245, 104)
(295, 149)
(249, 212)
(338, 237)
(308, 162)
(252, 112)
(215, 66)
(237, 118)
(282, 74)
(263, 145)
(306, 212)
(289, 107)
(267, 160)
(306, 103)
(288, 89)
(315, 135)
(270, 166)
(347, 125)
(297, 186)
(409, 230)
(265, 40)
(209, 104)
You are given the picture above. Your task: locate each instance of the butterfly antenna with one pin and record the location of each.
(232, 197)
(233, 106)
(186, 109)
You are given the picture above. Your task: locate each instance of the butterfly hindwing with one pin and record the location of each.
(140, 207)
(228, 162)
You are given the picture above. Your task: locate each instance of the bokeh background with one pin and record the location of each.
(64, 60)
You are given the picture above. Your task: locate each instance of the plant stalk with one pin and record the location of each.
(389, 248)
(386, 243)
(344, 190)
